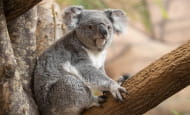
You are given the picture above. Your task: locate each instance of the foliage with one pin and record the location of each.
(138, 10)
(162, 9)
(88, 4)
(174, 112)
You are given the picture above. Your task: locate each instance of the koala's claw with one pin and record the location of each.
(117, 92)
(122, 79)
(123, 90)
(102, 99)
(98, 100)
(105, 92)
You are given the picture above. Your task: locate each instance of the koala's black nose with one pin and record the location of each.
(103, 31)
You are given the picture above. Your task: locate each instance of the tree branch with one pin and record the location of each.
(152, 85)
(14, 8)
(7, 59)
(13, 98)
(22, 32)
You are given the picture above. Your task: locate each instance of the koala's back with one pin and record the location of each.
(67, 49)
(54, 69)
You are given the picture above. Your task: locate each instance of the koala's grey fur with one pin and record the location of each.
(67, 72)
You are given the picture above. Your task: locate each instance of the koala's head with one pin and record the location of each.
(94, 28)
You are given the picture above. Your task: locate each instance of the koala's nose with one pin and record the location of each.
(103, 31)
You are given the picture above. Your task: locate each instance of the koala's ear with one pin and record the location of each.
(71, 16)
(118, 19)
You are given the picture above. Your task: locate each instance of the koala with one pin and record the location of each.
(68, 71)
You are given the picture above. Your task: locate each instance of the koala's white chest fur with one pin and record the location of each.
(97, 58)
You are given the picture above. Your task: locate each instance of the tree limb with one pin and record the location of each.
(13, 98)
(7, 59)
(22, 32)
(14, 8)
(152, 85)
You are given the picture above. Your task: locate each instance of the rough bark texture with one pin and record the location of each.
(152, 85)
(22, 32)
(14, 100)
(49, 27)
(7, 60)
(14, 8)
(19, 42)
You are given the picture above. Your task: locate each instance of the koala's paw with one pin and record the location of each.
(102, 99)
(98, 101)
(116, 91)
(122, 79)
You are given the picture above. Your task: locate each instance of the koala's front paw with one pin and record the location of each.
(102, 99)
(98, 101)
(122, 79)
(116, 91)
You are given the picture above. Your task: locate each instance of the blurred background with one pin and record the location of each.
(155, 27)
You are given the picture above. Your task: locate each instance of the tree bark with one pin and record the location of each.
(152, 85)
(49, 27)
(22, 32)
(14, 99)
(14, 8)
(19, 43)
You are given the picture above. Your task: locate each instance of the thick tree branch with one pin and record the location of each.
(13, 98)
(22, 32)
(152, 85)
(14, 8)
(7, 59)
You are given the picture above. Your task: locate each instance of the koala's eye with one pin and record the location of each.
(90, 26)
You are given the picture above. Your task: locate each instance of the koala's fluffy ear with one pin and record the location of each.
(118, 19)
(71, 16)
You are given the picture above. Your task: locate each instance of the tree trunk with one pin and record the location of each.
(152, 85)
(16, 63)
(18, 56)
(49, 27)
(22, 32)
